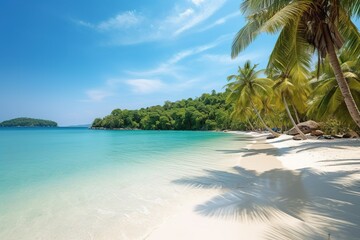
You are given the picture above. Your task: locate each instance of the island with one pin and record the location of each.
(28, 122)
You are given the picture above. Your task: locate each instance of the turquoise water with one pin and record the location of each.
(32, 156)
(75, 183)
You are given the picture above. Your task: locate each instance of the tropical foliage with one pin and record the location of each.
(249, 90)
(208, 112)
(304, 26)
(327, 98)
(300, 97)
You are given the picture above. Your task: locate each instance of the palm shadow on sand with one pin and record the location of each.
(318, 203)
(305, 146)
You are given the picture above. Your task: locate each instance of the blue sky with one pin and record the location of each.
(71, 61)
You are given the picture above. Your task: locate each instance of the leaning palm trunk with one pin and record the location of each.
(292, 120)
(343, 85)
(263, 122)
(296, 115)
(251, 126)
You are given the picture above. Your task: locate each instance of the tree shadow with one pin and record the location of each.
(244, 138)
(318, 203)
(335, 144)
(340, 160)
(245, 152)
(305, 146)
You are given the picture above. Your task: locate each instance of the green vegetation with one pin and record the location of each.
(28, 122)
(305, 26)
(247, 88)
(208, 112)
(273, 101)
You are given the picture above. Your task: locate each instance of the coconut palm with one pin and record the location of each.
(248, 89)
(327, 95)
(324, 25)
(291, 91)
(244, 114)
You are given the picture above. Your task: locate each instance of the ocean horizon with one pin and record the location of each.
(76, 183)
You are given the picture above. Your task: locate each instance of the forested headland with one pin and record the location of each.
(28, 122)
(207, 112)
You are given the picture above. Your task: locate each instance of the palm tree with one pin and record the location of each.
(288, 90)
(324, 25)
(327, 95)
(248, 89)
(244, 114)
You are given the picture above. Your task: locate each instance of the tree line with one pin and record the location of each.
(207, 112)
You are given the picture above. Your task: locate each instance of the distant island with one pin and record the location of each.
(28, 122)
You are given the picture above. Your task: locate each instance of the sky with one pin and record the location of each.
(72, 61)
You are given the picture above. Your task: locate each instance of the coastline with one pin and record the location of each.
(193, 185)
(274, 189)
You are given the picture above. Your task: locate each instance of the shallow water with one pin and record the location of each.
(74, 183)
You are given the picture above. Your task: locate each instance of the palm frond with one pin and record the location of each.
(350, 33)
(244, 37)
(289, 13)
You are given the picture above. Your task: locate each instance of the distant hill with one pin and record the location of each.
(28, 122)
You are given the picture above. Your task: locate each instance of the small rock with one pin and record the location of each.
(351, 134)
(297, 137)
(270, 137)
(328, 137)
(316, 133)
(305, 127)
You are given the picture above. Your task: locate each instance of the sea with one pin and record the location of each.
(77, 183)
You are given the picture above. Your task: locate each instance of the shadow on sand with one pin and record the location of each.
(294, 204)
(305, 146)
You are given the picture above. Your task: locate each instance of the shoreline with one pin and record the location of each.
(275, 189)
(224, 186)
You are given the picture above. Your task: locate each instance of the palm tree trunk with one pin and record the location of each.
(296, 115)
(343, 85)
(292, 120)
(262, 121)
(252, 126)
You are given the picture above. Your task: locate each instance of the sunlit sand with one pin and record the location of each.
(275, 189)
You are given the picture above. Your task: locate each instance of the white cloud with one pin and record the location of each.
(124, 20)
(206, 10)
(143, 86)
(97, 95)
(132, 28)
(187, 53)
(170, 67)
(161, 70)
(226, 58)
(121, 21)
(222, 20)
(84, 24)
(197, 2)
(188, 12)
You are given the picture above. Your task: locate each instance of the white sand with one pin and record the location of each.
(286, 190)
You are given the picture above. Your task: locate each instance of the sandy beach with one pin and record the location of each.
(273, 189)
